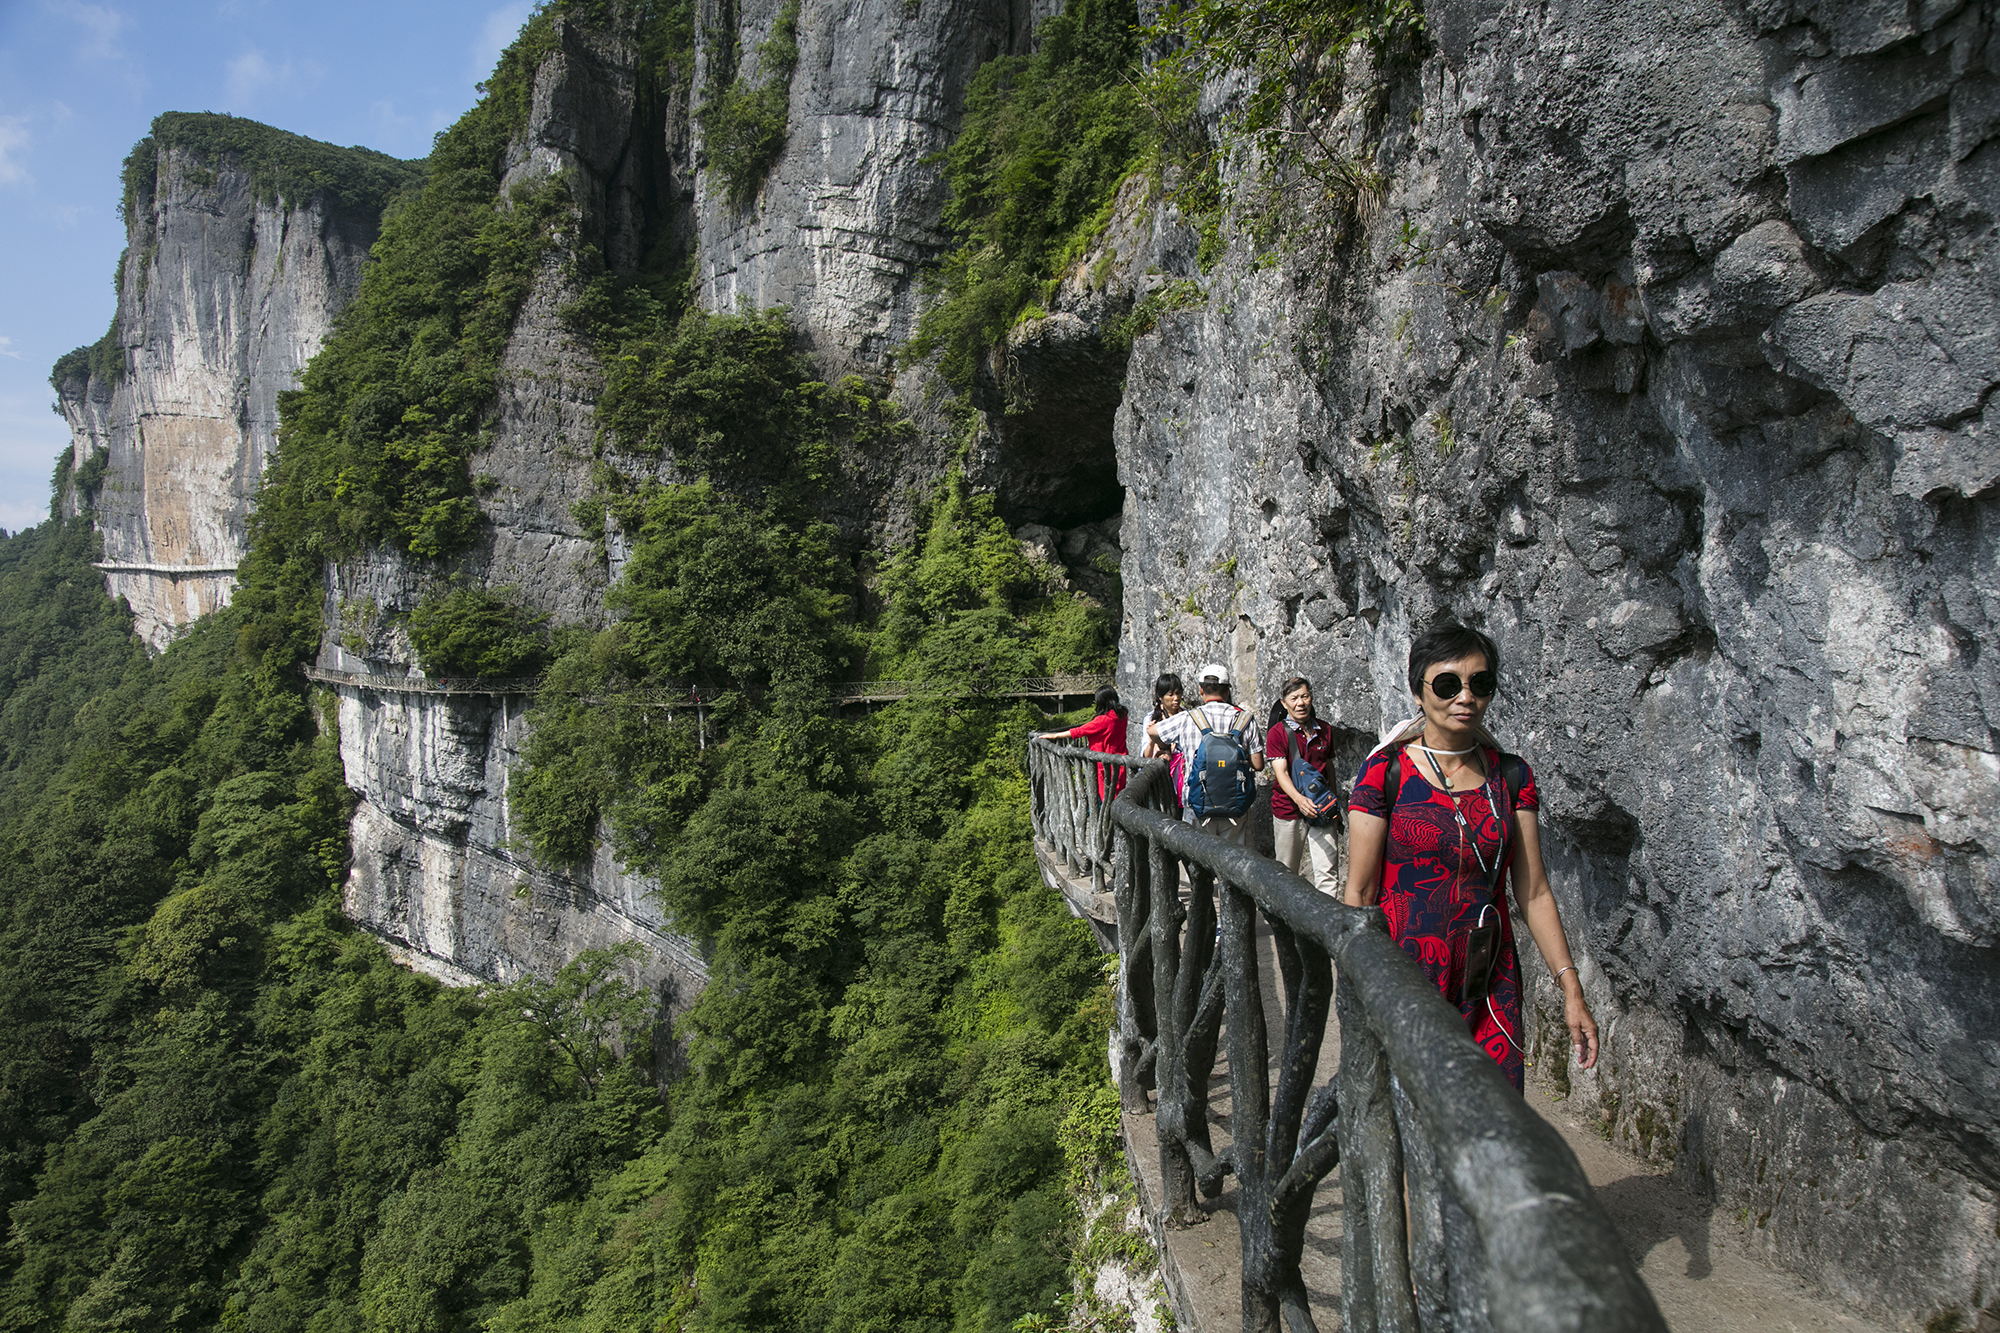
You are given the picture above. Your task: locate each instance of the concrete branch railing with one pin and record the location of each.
(1500, 1230)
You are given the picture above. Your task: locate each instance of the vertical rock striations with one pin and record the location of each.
(837, 233)
(242, 244)
(850, 211)
(1668, 359)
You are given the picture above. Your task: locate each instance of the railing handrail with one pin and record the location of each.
(843, 691)
(1503, 1228)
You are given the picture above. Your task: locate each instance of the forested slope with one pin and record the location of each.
(227, 1108)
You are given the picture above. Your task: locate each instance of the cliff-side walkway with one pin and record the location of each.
(1695, 1259)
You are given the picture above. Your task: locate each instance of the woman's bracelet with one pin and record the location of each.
(1559, 972)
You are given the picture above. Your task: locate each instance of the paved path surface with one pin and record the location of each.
(1692, 1256)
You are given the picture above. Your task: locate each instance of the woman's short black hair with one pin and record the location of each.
(1447, 642)
(1107, 699)
(1168, 683)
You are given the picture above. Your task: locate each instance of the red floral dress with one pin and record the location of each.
(1433, 888)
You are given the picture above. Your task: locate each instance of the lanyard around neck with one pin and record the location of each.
(1491, 874)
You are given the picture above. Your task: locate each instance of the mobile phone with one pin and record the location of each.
(1482, 950)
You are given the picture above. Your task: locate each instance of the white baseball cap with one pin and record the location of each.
(1213, 671)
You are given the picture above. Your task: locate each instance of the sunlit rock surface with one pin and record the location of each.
(223, 297)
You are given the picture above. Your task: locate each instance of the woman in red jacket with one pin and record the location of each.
(1106, 734)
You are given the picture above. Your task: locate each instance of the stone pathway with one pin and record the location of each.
(1692, 1256)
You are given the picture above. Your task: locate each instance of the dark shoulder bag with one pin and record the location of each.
(1310, 782)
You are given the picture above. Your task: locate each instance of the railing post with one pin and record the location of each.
(1300, 1146)
(1500, 1232)
(1170, 1123)
(1136, 1019)
(1428, 1256)
(1374, 1262)
(1249, 1106)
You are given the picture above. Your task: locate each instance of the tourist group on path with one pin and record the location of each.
(1439, 821)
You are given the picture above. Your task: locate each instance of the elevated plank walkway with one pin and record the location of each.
(843, 692)
(1692, 1255)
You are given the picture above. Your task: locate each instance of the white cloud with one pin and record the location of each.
(249, 74)
(7, 348)
(495, 36)
(253, 73)
(13, 138)
(101, 26)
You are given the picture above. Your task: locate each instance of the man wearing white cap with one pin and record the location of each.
(1221, 737)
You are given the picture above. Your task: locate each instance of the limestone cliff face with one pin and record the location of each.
(1668, 359)
(840, 230)
(223, 297)
(849, 214)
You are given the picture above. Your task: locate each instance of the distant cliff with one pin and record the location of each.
(242, 244)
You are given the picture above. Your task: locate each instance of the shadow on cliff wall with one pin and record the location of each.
(1051, 397)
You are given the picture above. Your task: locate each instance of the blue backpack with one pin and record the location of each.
(1220, 783)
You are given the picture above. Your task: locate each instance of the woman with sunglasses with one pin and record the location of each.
(1437, 819)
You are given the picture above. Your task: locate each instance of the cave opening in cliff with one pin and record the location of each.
(1052, 413)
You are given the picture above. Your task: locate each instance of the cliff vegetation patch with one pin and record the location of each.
(743, 123)
(466, 630)
(900, 1016)
(374, 442)
(1044, 143)
(1309, 126)
(280, 165)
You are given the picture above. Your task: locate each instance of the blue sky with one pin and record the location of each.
(80, 82)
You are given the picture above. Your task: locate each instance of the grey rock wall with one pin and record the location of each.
(436, 872)
(841, 228)
(223, 299)
(837, 235)
(1668, 360)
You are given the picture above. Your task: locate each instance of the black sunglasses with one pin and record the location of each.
(1446, 684)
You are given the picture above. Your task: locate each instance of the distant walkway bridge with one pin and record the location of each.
(1460, 1208)
(843, 693)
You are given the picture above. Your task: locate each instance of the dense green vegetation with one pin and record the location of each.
(465, 630)
(1044, 145)
(222, 1107)
(225, 1108)
(900, 1015)
(743, 123)
(102, 360)
(63, 643)
(728, 394)
(280, 165)
(375, 440)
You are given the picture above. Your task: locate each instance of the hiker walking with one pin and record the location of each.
(1304, 810)
(1438, 817)
(1105, 733)
(1222, 748)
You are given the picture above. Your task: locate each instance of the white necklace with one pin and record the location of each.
(1428, 750)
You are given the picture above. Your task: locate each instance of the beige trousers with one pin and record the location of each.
(1235, 830)
(1297, 841)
